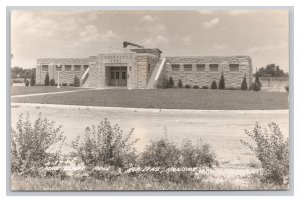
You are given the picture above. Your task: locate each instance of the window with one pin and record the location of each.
(123, 75)
(117, 75)
(234, 67)
(175, 68)
(213, 67)
(148, 67)
(112, 75)
(188, 68)
(68, 67)
(200, 67)
(45, 67)
(85, 67)
(77, 67)
(58, 67)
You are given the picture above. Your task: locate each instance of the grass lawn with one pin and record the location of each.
(23, 90)
(201, 99)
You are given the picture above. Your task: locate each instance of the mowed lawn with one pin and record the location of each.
(201, 99)
(24, 90)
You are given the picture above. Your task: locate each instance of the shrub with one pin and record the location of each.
(198, 155)
(52, 82)
(187, 86)
(244, 85)
(179, 85)
(106, 145)
(64, 84)
(214, 85)
(27, 82)
(47, 81)
(287, 88)
(161, 153)
(165, 83)
(171, 82)
(204, 87)
(71, 84)
(257, 80)
(272, 150)
(196, 87)
(76, 82)
(30, 145)
(32, 79)
(256, 86)
(222, 82)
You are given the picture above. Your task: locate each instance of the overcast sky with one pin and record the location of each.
(263, 35)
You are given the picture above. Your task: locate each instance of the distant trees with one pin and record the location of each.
(18, 72)
(271, 70)
(32, 80)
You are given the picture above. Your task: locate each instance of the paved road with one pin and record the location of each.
(222, 129)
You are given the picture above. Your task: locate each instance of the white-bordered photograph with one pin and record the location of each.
(143, 100)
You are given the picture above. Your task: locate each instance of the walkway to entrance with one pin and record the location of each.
(116, 76)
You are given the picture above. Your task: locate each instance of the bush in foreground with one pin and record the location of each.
(52, 82)
(272, 150)
(106, 145)
(30, 144)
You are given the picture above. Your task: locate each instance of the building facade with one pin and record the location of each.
(144, 68)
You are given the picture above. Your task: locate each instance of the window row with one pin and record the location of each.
(67, 67)
(201, 67)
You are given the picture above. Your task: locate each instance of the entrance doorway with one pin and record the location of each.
(116, 76)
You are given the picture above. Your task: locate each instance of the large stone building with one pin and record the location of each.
(144, 68)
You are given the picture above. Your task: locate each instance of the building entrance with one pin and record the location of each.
(116, 76)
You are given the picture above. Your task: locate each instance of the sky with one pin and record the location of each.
(261, 34)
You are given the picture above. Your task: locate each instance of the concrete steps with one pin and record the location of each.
(152, 83)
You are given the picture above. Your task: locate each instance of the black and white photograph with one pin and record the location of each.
(149, 100)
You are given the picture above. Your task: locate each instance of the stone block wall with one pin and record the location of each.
(64, 76)
(204, 78)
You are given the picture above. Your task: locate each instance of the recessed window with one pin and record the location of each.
(85, 67)
(58, 67)
(112, 75)
(123, 75)
(175, 68)
(234, 67)
(68, 67)
(213, 67)
(200, 67)
(45, 67)
(188, 68)
(117, 75)
(148, 67)
(77, 67)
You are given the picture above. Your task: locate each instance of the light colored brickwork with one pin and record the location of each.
(205, 78)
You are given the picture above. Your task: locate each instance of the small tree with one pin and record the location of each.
(26, 82)
(244, 85)
(179, 85)
(30, 144)
(272, 150)
(52, 82)
(76, 82)
(171, 82)
(32, 79)
(165, 83)
(214, 85)
(106, 145)
(222, 82)
(47, 80)
(256, 86)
